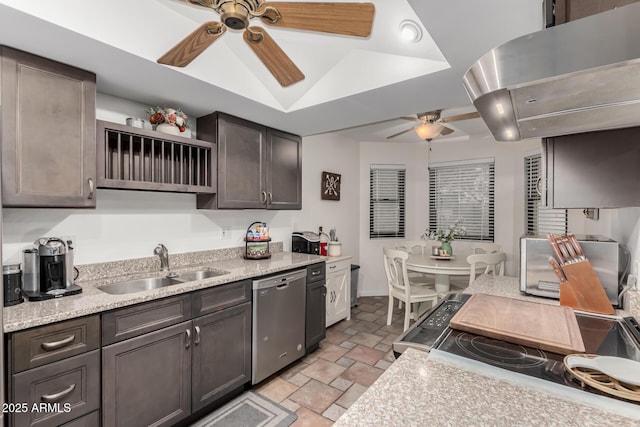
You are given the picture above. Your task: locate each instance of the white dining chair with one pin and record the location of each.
(401, 288)
(491, 262)
(484, 248)
(417, 247)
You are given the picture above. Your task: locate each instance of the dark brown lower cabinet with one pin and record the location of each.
(221, 354)
(147, 380)
(161, 377)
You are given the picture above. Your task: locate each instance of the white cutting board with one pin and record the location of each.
(547, 327)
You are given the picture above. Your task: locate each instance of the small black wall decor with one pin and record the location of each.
(330, 186)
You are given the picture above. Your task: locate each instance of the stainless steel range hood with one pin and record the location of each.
(576, 77)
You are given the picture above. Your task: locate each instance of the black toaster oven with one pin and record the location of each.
(306, 242)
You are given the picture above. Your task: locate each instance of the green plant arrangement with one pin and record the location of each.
(448, 235)
(445, 237)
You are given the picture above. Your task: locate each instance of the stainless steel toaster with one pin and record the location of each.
(537, 276)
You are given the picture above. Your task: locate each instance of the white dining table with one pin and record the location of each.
(440, 267)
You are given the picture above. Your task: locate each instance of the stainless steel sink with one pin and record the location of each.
(139, 285)
(190, 276)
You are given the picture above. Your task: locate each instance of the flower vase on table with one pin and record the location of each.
(446, 247)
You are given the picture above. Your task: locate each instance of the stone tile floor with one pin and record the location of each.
(324, 384)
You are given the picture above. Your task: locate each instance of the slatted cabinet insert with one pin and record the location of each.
(139, 159)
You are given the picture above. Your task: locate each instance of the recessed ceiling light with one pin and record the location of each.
(410, 31)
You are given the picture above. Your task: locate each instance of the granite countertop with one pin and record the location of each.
(423, 389)
(437, 388)
(93, 300)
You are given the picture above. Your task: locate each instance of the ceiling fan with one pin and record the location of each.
(432, 124)
(354, 19)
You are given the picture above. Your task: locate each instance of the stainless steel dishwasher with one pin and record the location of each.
(278, 323)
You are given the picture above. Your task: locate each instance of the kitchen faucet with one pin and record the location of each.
(163, 253)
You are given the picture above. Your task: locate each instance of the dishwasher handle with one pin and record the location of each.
(280, 281)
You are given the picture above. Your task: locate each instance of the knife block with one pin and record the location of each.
(583, 290)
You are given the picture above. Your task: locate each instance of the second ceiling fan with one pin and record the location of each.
(354, 19)
(432, 125)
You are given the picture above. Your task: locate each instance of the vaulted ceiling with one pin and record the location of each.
(359, 84)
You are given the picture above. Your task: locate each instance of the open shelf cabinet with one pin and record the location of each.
(139, 159)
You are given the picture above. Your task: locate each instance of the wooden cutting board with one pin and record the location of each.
(547, 327)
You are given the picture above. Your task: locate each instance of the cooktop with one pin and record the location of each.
(607, 336)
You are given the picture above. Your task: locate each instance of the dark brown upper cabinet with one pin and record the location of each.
(570, 10)
(258, 167)
(48, 132)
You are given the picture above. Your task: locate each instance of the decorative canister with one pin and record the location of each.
(12, 278)
(335, 249)
(135, 122)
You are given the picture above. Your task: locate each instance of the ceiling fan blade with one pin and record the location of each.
(193, 45)
(274, 58)
(466, 116)
(354, 19)
(411, 119)
(446, 131)
(399, 133)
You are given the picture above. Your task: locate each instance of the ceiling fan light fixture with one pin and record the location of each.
(428, 130)
(410, 31)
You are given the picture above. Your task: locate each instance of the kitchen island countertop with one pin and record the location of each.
(433, 389)
(92, 300)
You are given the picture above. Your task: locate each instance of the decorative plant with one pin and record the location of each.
(168, 115)
(455, 230)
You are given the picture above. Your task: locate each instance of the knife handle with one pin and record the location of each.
(570, 249)
(574, 242)
(557, 269)
(554, 246)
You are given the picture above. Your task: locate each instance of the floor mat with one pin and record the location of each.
(249, 410)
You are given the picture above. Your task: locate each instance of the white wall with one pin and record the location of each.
(128, 224)
(372, 279)
(337, 154)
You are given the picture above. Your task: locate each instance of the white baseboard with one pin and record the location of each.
(372, 294)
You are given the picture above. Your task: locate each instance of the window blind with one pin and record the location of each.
(386, 201)
(463, 191)
(540, 219)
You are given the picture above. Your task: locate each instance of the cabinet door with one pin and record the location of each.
(48, 132)
(147, 380)
(570, 10)
(241, 147)
(221, 353)
(284, 170)
(338, 295)
(315, 329)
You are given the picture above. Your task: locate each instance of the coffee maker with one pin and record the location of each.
(48, 269)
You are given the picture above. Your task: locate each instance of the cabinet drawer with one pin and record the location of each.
(316, 272)
(62, 391)
(125, 323)
(338, 265)
(221, 297)
(89, 420)
(38, 346)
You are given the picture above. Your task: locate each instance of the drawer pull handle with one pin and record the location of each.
(48, 398)
(188, 338)
(50, 346)
(90, 188)
(332, 267)
(315, 273)
(197, 339)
